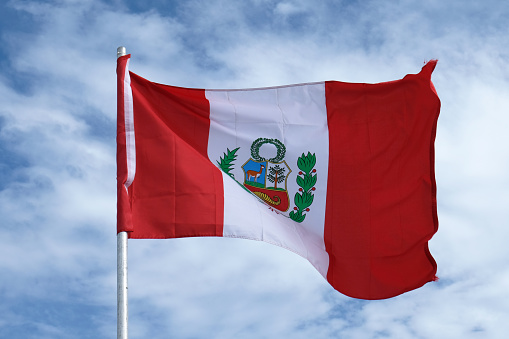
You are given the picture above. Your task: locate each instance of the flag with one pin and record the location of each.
(339, 173)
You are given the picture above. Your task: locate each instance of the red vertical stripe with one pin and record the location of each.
(177, 191)
(381, 204)
(124, 220)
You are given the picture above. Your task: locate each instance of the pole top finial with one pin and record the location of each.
(121, 51)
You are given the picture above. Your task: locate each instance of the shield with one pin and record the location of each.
(267, 180)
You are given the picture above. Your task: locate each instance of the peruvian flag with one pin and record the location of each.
(339, 173)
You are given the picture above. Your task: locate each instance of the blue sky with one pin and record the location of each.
(57, 166)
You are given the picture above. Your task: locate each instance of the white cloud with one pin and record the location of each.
(286, 8)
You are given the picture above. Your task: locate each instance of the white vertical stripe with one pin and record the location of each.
(129, 128)
(296, 116)
(246, 218)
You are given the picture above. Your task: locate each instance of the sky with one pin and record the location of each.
(57, 166)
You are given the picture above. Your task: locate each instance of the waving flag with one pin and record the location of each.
(339, 173)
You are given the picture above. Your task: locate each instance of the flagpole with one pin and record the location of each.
(122, 285)
(122, 315)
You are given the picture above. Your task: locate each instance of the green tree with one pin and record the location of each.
(276, 175)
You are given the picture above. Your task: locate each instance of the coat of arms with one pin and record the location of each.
(267, 178)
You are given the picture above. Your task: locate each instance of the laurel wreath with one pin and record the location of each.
(255, 149)
(306, 180)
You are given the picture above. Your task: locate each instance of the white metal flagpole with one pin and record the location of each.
(122, 285)
(122, 315)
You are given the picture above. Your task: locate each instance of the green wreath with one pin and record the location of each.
(306, 181)
(255, 149)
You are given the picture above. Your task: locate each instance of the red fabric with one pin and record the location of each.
(381, 194)
(177, 191)
(124, 220)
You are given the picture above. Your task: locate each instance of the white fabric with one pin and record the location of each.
(129, 128)
(296, 116)
(245, 217)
